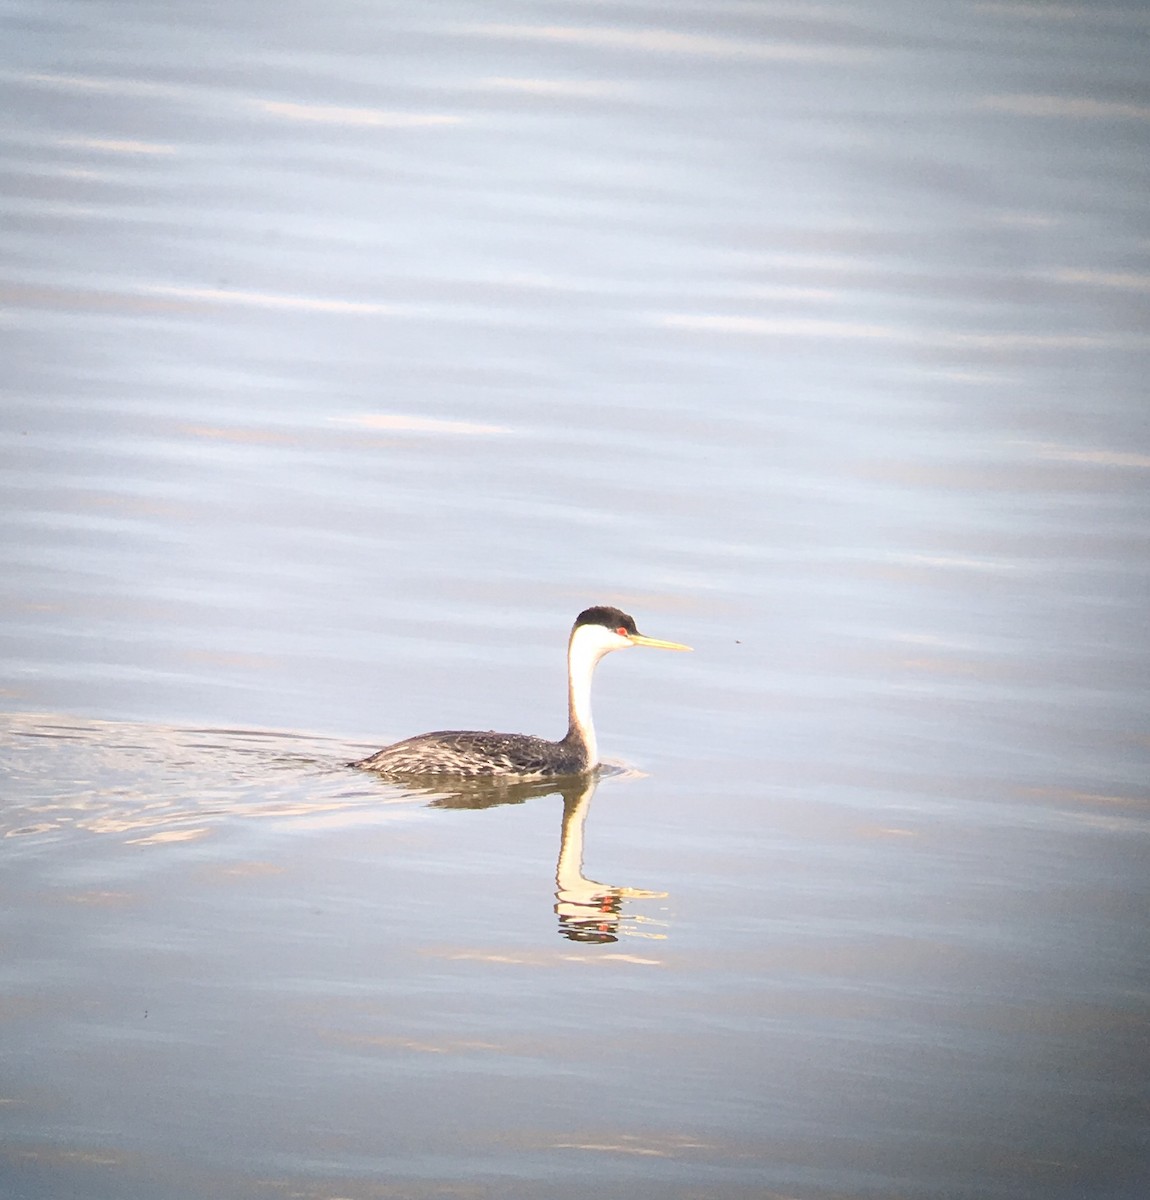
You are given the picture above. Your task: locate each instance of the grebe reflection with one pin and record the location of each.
(588, 911)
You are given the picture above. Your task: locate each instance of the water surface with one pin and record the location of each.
(347, 354)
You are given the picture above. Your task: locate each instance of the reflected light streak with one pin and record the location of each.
(244, 437)
(667, 41)
(385, 1042)
(571, 89)
(111, 146)
(781, 326)
(967, 564)
(1122, 280)
(316, 113)
(90, 83)
(102, 899)
(1039, 11)
(648, 1145)
(548, 959)
(375, 117)
(1075, 107)
(271, 300)
(815, 327)
(404, 423)
(1100, 458)
(613, 1148)
(170, 835)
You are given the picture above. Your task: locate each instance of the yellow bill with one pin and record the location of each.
(640, 639)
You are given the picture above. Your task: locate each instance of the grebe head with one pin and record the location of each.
(599, 630)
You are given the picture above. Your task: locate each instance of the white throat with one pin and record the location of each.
(588, 645)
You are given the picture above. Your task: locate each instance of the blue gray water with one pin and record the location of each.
(347, 353)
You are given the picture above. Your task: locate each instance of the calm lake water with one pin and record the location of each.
(348, 351)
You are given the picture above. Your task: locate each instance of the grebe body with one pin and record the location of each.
(467, 753)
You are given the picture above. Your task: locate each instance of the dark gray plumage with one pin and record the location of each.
(471, 753)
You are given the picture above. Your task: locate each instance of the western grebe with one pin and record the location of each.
(596, 632)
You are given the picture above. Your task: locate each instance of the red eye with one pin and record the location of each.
(622, 632)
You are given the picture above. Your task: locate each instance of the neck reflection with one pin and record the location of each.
(588, 911)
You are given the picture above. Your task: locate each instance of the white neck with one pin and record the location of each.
(587, 646)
